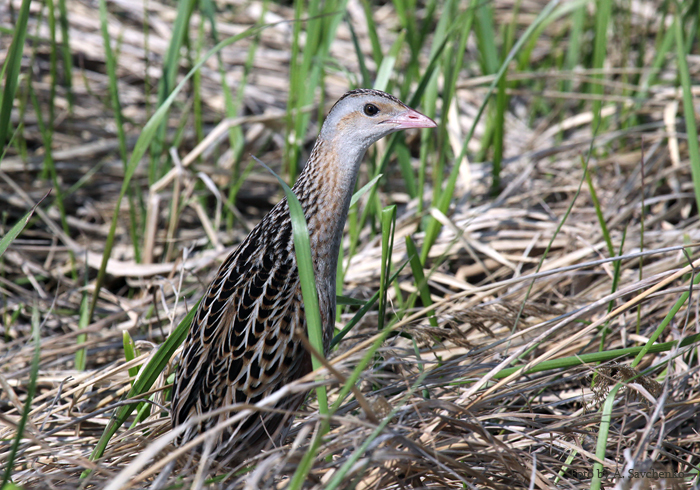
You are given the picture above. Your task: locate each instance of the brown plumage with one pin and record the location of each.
(243, 344)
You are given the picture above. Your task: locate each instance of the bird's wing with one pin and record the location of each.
(242, 344)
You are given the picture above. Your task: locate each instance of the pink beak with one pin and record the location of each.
(411, 119)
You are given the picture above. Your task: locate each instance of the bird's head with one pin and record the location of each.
(363, 116)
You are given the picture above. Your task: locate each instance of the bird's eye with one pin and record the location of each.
(371, 110)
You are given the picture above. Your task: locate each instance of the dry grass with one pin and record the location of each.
(454, 422)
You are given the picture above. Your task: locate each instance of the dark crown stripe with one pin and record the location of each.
(358, 92)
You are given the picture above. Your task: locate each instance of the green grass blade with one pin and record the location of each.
(111, 63)
(83, 322)
(348, 301)
(304, 467)
(31, 388)
(602, 444)
(130, 352)
(356, 196)
(498, 122)
(405, 11)
(372, 32)
(413, 102)
(233, 105)
(171, 65)
(197, 113)
(486, 38)
(500, 110)
(306, 76)
(599, 212)
(388, 63)
(403, 155)
(429, 13)
(14, 232)
(434, 225)
(341, 473)
(597, 357)
(144, 382)
(556, 233)
(364, 72)
(340, 476)
(569, 459)
(302, 250)
(452, 60)
(368, 305)
(615, 283)
(46, 131)
(688, 106)
(660, 59)
(65, 51)
(600, 48)
(388, 228)
(11, 69)
(294, 101)
(664, 323)
(142, 144)
(566, 8)
(53, 81)
(420, 281)
(11, 486)
(575, 40)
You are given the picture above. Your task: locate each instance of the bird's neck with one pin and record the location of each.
(324, 189)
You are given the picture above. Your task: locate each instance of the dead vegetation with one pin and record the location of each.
(516, 280)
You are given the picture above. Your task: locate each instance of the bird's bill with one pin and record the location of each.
(411, 119)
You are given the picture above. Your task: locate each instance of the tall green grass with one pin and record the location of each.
(319, 22)
(31, 389)
(112, 62)
(688, 105)
(11, 71)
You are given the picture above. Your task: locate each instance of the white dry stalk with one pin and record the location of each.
(124, 478)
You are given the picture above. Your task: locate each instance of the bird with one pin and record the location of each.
(244, 341)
